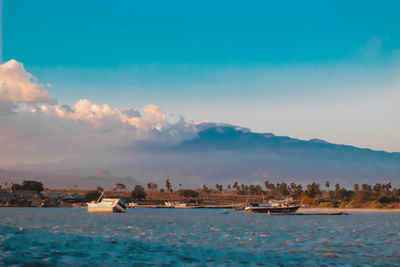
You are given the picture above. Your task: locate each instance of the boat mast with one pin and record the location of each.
(101, 196)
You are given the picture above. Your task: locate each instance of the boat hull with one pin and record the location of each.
(281, 210)
(180, 205)
(108, 205)
(105, 209)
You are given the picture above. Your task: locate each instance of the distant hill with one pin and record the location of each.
(56, 180)
(108, 180)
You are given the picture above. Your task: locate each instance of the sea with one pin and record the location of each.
(195, 237)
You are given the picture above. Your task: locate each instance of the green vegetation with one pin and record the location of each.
(29, 185)
(151, 186)
(361, 196)
(364, 196)
(92, 195)
(189, 193)
(119, 186)
(168, 185)
(138, 193)
(329, 195)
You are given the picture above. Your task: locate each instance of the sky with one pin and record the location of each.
(305, 69)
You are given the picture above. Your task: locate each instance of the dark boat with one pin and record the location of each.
(281, 207)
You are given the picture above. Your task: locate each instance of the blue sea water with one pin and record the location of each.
(72, 236)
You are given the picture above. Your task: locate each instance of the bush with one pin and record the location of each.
(306, 200)
(92, 195)
(29, 185)
(387, 200)
(188, 193)
(138, 193)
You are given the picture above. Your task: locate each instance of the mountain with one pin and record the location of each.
(107, 180)
(222, 153)
(61, 179)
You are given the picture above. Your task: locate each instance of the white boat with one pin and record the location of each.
(179, 205)
(107, 205)
(169, 204)
(132, 205)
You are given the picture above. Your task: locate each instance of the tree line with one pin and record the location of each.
(364, 195)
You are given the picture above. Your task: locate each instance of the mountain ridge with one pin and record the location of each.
(224, 154)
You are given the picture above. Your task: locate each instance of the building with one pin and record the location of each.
(7, 197)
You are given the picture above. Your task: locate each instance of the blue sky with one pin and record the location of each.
(108, 34)
(308, 69)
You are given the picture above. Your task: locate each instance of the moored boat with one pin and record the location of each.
(107, 205)
(275, 206)
(132, 205)
(180, 205)
(169, 204)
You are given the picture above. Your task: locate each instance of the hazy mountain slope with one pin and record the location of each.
(107, 180)
(49, 179)
(224, 154)
(62, 180)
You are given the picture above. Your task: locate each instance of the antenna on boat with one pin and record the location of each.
(101, 196)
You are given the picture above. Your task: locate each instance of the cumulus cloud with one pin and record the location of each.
(131, 112)
(19, 86)
(148, 123)
(46, 129)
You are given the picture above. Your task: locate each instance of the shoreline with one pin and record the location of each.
(377, 210)
(347, 210)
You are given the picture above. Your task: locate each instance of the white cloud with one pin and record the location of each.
(88, 129)
(104, 117)
(19, 86)
(49, 130)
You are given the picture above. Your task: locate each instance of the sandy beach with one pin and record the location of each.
(346, 210)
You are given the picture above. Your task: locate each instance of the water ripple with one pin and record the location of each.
(194, 237)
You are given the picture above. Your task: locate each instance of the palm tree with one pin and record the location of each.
(168, 185)
(169, 188)
(327, 184)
